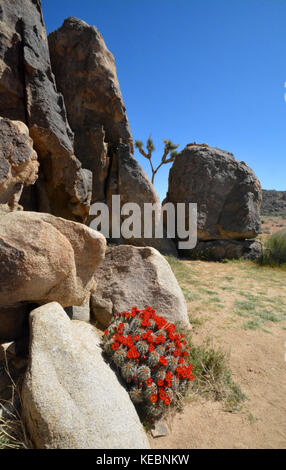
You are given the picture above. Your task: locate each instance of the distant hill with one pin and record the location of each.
(273, 202)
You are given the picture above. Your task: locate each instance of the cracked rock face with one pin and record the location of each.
(93, 99)
(28, 93)
(18, 162)
(227, 192)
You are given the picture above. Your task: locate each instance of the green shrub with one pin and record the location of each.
(274, 251)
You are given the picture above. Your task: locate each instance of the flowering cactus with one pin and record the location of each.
(151, 357)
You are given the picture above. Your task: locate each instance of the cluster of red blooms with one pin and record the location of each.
(175, 346)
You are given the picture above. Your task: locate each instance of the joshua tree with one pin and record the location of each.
(169, 148)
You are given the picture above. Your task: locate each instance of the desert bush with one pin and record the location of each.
(152, 358)
(213, 375)
(274, 250)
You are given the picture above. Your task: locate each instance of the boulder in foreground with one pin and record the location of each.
(44, 258)
(71, 397)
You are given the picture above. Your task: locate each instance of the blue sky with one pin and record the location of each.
(197, 70)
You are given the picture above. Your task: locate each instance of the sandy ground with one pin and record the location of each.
(257, 360)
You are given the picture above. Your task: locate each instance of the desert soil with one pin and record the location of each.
(242, 308)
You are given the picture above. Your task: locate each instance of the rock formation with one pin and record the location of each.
(217, 250)
(71, 397)
(100, 135)
(226, 191)
(79, 312)
(18, 162)
(92, 95)
(28, 93)
(48, 261)
(137, 276)
(45, 258)
(97, 116)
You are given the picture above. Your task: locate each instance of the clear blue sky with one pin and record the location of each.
(198, 70)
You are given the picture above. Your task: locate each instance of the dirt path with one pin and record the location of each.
(257, 357)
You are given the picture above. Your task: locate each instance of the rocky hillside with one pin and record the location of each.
(273, 202)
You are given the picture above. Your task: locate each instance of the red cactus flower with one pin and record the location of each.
(154, 398)
(163, 361)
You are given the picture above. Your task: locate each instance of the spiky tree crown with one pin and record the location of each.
(169, 148)
(152, 358)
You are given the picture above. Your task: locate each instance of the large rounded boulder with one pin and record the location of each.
(227, 192)
(71, 397)
(44, 258)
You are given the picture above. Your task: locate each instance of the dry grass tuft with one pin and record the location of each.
(13, 433)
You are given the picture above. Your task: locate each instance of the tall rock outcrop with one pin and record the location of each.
(28, 93)
(85, 73)
(86, 76)
(227, 193)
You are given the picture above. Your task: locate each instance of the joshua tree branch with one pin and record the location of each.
(169, 148)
